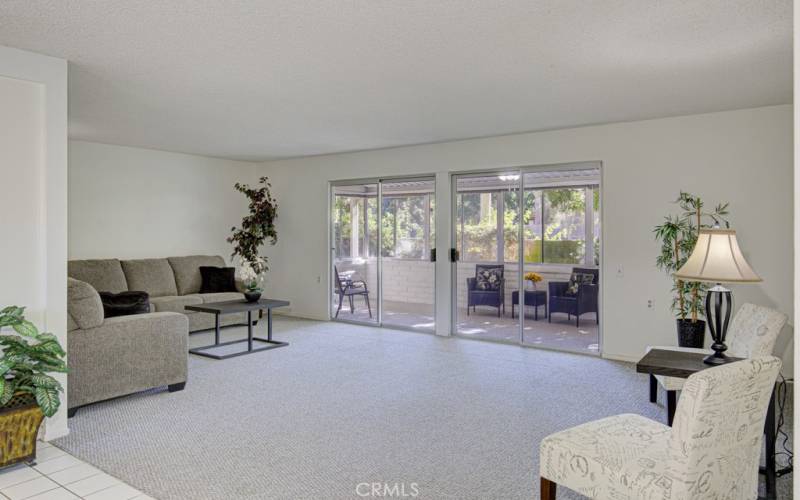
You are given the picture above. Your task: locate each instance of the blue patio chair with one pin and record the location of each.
(487, 288)
(581, 301)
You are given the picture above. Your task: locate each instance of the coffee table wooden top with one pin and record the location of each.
(236, 306)
(669, 363)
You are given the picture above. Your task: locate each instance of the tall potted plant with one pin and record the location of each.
(256, 229)
(27, 392)
(678, 235)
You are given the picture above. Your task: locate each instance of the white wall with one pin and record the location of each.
(33, 169)
(135, 203)
(743, 157)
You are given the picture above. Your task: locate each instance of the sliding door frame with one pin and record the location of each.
(378, 181)
(521, 170)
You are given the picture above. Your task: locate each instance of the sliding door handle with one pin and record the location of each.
(453, 255)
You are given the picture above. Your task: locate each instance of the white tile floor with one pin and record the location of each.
(58, 475)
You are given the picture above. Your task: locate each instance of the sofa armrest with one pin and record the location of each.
(127, 354)
(471, 283)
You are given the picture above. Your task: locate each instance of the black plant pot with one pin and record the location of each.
(691, 334)
(252, 296)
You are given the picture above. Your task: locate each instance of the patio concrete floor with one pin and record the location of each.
(485, 325)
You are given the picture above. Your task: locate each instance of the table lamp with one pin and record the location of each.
(716, 258)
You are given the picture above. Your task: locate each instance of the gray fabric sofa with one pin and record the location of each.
(172, 283)
(121, 355)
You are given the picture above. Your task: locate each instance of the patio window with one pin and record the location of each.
(407, 226)
(559, 226)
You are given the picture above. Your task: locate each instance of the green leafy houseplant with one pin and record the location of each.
(678, 235)
(257, 228)
(28, 356)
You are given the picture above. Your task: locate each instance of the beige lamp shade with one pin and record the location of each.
(717, 258)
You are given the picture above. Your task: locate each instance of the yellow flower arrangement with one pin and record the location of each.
(533, 277)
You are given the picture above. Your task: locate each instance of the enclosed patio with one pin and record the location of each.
(556, 216)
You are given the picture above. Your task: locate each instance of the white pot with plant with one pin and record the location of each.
(252, 280)
(257, 228)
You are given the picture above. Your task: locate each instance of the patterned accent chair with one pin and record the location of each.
(584, 301)
(493, 294)
(752, 334)
(712, 451)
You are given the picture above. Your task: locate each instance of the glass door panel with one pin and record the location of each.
(486, 232)
(561, 228)
(407, 240)
(354, 236)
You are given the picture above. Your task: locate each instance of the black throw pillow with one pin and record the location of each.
(124, 303)
(218, 279)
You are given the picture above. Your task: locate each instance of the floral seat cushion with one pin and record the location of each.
(488, 279)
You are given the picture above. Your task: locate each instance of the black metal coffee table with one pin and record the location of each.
(233, 307)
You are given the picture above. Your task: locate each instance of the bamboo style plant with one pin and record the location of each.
(678, 236)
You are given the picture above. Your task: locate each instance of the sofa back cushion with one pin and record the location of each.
(105, 275)
(187, 271)
(153, 276)
(83, 305)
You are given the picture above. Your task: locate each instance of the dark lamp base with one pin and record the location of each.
(716, 359)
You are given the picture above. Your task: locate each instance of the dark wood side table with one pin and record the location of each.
(233, 307)
(683, 364)
(533, 298)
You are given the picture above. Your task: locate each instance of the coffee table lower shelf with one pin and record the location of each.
(201, 351)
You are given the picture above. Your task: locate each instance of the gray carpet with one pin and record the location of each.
(344, 405)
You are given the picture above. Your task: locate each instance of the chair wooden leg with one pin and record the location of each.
(653, 389)
(548, 489)
(672, 400)
(341, 297)
(366, 297)
(352, 308)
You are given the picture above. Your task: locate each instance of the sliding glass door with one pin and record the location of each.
(528, 247)
(383, 235)
(485, 227)
(354, 237)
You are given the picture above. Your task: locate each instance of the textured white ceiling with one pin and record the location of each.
(266, 79)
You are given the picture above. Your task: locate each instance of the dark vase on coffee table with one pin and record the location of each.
(252, 296)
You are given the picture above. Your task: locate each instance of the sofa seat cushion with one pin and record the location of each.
(187, 271)
(220, 297)
(153, 276)
(175, 303)
(105, 275)
(84, 308)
